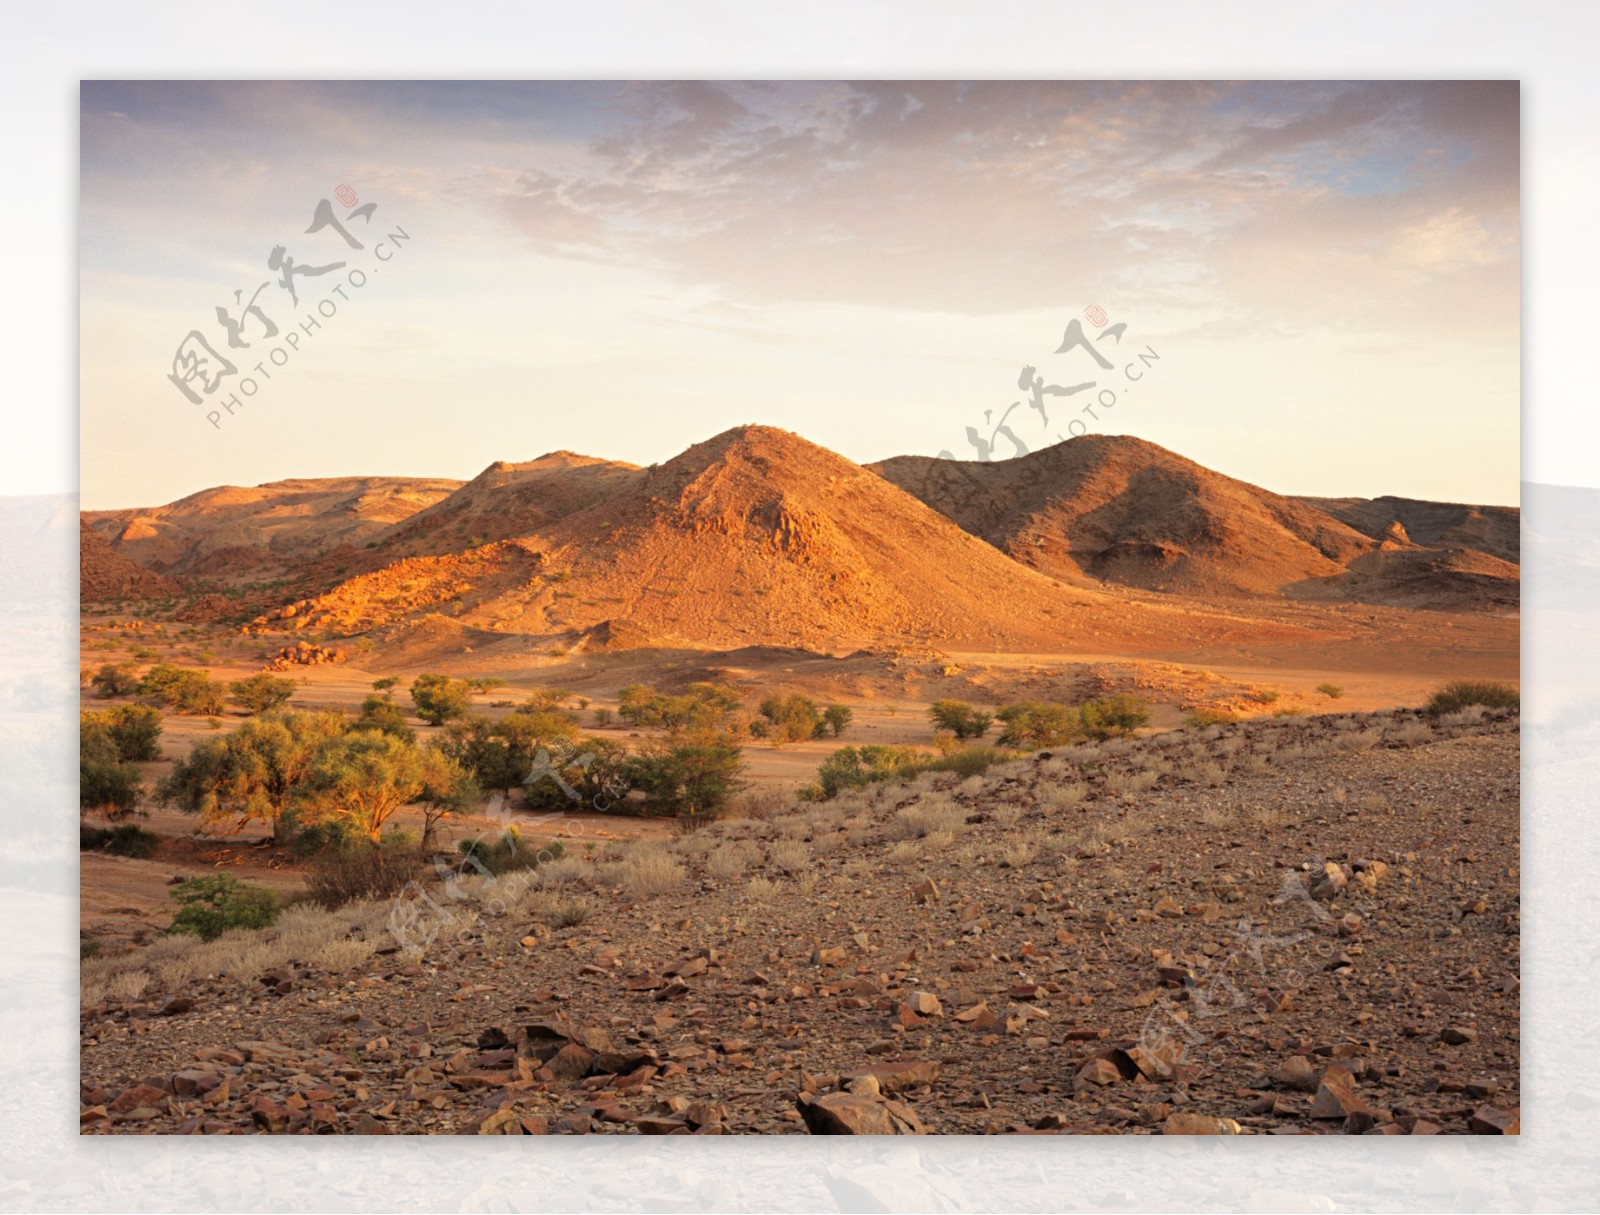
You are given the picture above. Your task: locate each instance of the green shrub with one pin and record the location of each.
(694, 777)
(126, 839)
(1110, 716)
(261, 693)
(183, 690)
(209, 906)
(1265, 696)
(330, 835)
(509, 853)
(970, 761)
(106, 782)
(1033, 724)
(792, 718)
(602, 717)
(837, 717)
(857, 767)
(135, 729)
(1212, 717)
(381, 713)
(1463, 692)
(960, 718)
(438, 698)
(114, 680)
(1331, 690)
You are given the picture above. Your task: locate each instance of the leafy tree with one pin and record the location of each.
(438, 698)
(367, 775)
(184, 690)
(485, 685)
(546, 698)
(106, 782)
(386, 685)
(380, 713)
(256, 773)
(792, 718)
(114, 680)
(837, 717)
(1110, 716)
(1035, 723)
(589, 771)
(261, 693)
(634, 704)
(209, 906)
(692, 778)
(454, 791)
(136, 729)
(960, 718)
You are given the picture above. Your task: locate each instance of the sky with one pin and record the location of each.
(1322, 277)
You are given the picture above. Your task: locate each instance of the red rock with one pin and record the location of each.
(569, 1065)
(655, 1125)
(1199, 1124)
(1097, 1072)
(1491, 1120)
(898, 1077)
(848, 1114)
(139, 1095)
(1336, 1097)
(269, 1115)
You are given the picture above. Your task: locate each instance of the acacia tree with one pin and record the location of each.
(261, 693)
(366, 775)
(256, 773)
(438, 698)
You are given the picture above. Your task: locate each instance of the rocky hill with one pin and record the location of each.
(1105, 508)
(230, 530)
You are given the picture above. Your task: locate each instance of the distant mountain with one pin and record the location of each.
(507, 500)
(230, 530)
(104, 573)
(1115, 509)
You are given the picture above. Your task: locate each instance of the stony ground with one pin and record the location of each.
(1292, 925)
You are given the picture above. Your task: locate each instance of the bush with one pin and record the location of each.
(381, 713)
(1033, 724)
(1331, 690)
(135, 729)
(1265, 696)
(960, 718)
(114, 680)
(837, 717)
(792, 718)
(857, 767)
(212, 905)
(438, 698)
(969, 761)
(184, 691)
(509, 853)
(106, 782)
(387, 683)
(1460, 693)
(602, 717)
(331, 835)
(262, 693)
(693, 778)
(1212, 717)
(1110, 716)
(363, 871)
(124, 840)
